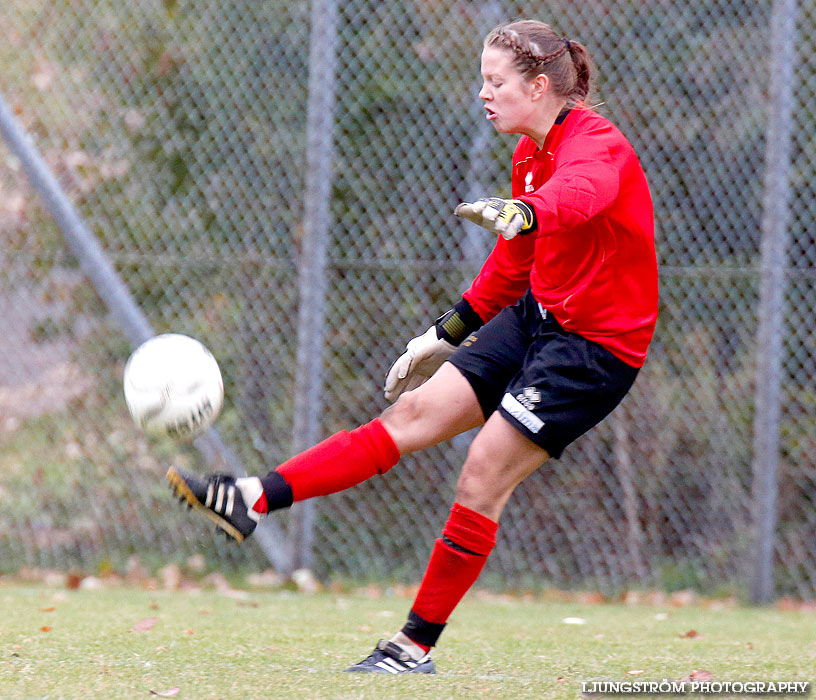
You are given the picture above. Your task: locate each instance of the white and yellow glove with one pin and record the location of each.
(425, 354)
(507, 217)
(422, 357)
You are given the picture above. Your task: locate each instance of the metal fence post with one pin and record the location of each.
(775, 220)
(312, 283)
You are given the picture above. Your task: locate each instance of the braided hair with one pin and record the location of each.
(539, 49)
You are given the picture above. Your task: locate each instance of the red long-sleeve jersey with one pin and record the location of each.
(591, 261)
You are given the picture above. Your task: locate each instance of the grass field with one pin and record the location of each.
(88, 644)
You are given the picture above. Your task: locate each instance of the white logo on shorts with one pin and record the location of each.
(524, 416)
(529, 397)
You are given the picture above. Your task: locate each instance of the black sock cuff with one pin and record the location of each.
(421, 631)
(278, 493)
(459, 548)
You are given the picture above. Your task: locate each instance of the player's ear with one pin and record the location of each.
(539, 86)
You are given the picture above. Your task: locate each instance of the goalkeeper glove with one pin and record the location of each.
(508, 217)
(426, 353)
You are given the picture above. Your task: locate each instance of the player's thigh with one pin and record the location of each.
(442, 407)
(498, 460)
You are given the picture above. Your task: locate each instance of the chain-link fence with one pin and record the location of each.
(277, 180)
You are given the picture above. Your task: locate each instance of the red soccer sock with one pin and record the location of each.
(339, 462)
(456, 561)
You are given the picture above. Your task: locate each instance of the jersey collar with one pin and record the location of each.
(562, 115)
(546, 150)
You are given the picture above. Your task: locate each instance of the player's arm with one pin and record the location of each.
(586, 181)
(504, 276)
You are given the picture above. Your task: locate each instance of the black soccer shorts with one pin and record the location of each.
(551, 385)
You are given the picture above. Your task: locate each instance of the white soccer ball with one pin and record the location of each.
(173, 386)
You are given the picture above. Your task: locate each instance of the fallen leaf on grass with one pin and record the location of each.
(691, 634)
(144, 625)
(169, 693)
(47, 609)
(635, 672)
(698, 675)
(45, 628)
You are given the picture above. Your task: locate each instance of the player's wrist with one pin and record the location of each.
(458, 323)
(527, 214)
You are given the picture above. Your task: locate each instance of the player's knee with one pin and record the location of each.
(405, 410)
(403, 419)
(478, 486)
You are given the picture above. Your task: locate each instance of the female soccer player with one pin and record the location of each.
(543, 345)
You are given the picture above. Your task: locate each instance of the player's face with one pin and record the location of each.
(508, 97)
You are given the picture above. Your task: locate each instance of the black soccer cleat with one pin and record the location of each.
(388, 657)
(218, 498)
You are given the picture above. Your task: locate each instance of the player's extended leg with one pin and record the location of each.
(499, 458)
(439, 409)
